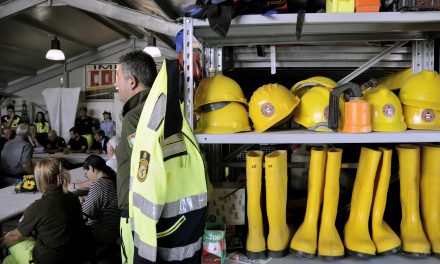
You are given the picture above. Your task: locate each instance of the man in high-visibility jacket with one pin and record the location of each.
(135, 75)
(168, 195)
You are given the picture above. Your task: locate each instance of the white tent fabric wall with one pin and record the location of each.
(61, 104)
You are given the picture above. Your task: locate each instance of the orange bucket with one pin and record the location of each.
(357, 116)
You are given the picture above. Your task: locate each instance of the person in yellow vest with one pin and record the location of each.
(11, 120)
(42, 127)
(168, 188)
(135, 75)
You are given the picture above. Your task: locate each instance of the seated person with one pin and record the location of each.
(100, 207)
(8, 134)
(99, 144)
(111, 162)
(16, 157)
(11, 120)
(77, 143)
(55, 220)
(54, 143)
(33, 138)
(111, 147)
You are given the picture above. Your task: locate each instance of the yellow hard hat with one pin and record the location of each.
(223, 118)
(422, 90)
(396, 80)
(218, 89)
(421, 118)
(386, 110)
(270, 105)
(301, 87)
(313, 110)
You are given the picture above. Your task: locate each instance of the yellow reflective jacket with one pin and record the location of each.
(168, 195)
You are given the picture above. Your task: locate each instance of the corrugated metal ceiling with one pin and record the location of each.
(26, 36)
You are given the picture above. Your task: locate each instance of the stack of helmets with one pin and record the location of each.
(221, 106)
(271, 105)
(313, 111)
(386, 110)
(420, 96)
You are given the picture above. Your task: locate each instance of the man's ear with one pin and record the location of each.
(133, 81)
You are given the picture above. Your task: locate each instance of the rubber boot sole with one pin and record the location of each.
(360, 254)
(277, 254)
(255, 255)
(302, 255)
(416, 254)
(330, 258)
(390, 252)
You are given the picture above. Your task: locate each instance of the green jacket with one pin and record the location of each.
(131, 112)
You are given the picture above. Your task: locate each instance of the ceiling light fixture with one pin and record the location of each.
(151, 48)
(55, 52)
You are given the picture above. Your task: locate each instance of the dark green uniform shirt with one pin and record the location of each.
(131, 112)
(56, 221)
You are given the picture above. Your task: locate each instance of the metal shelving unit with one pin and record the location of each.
(311, 137)
(419, 27)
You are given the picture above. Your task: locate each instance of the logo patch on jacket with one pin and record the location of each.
(144, 162)
(131, 138)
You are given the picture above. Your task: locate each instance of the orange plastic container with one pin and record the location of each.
(367, 5)
(357, 116)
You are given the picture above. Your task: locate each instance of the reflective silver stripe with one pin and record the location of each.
(132, 223)
(144, 250)
(172, 139)
(179, 207)
(153, 211)
(180, 253)
(158, 114)
(173, 149)
(185, 205)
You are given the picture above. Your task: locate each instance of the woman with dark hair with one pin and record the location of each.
(55, 221)
(42, 127)
(100, 207)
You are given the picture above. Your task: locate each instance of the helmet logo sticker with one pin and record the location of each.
(388, 110)
(267, 109)
(326, 113)
(428, 115)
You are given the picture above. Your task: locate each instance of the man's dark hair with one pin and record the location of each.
(10, 107)
(100, 132)
(73, 130)
(140, 65)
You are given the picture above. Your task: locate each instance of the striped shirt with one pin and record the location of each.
(101, 210)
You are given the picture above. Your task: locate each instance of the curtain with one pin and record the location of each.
(62, 104)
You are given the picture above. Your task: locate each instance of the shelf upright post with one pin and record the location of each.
(219, 59)
(188, 70)
(209, 57)
(422, 55)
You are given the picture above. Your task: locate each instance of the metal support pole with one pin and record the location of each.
(273, 60)
(188, 70)
(219, 59)
(371, 62)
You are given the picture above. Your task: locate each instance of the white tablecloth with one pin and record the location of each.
(13, 204)
(74, 158)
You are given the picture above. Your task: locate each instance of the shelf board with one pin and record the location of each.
(320, 27)
(304, 136)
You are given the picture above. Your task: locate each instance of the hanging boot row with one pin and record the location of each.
(419, 230)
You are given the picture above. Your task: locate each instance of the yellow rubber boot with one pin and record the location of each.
(386, 241)
(330, 245)
(430, 195)
(357, 238)
(304, 242)
(276, 202)
(413, 237)
(256, 241)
